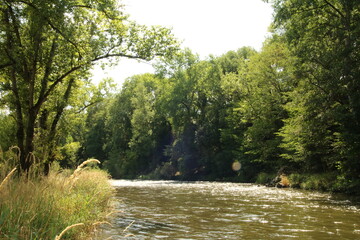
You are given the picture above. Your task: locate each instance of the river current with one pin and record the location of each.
(208, 210)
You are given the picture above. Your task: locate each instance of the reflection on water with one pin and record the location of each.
(205, 210)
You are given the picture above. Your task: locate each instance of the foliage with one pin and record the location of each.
(138, 130)
(181, 117)
(7, 131)
(47, 49)
(293, 105)
(265, 84)
(323, 129)
(264, 178)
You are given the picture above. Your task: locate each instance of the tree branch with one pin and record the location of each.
(75, 68)
(48, 68)
(109, 55)
(102, 11)
(60, 109)
(6, 65)
(18, 38)
(333, 7)
(54, 27)
(56, 82)
(87, 105)
(67, 39)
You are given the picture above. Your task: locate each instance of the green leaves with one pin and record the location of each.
(47, 49)
(323, 129)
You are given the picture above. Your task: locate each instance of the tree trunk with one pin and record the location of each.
(26, 160)
(53, 127)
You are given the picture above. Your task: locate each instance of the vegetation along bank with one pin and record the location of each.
(63, 205)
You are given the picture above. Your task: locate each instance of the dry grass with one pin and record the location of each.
(81, 167)
(284, 181)
(66, 229)
(6, 179)
(128, 226)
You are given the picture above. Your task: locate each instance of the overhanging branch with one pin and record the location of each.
(74, 69)
(333, 7)
(110, 55)
(6, 65)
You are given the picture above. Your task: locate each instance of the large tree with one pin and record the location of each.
(324, 35)
(48, 45)
(265, 83)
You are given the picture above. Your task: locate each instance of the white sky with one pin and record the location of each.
(205, 26)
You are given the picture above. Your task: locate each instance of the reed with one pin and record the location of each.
(66, 229)
(81, 167)
(128, 226)
(6, 179)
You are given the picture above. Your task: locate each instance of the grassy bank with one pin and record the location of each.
(327, 182)
(42, 208)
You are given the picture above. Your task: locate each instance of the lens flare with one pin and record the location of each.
(236, 166)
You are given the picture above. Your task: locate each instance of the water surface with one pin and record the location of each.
(207, 210)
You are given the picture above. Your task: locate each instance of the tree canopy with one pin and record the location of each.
(48, 47)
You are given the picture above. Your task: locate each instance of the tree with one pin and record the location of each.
(324, 35)
(138, 127)
(95, 133)
(48, 45)
(198, 107)
(118, 124)
(266, 82)
(181, 107)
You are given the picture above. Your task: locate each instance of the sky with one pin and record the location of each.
(205, 26)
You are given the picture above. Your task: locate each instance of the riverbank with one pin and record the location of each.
(331, 182)
(324, 182)
(43, 207)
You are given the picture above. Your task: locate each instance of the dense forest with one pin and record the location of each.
(291, 108)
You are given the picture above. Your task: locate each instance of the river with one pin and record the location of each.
(208, 210)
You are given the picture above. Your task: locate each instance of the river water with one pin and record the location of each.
(207, 210)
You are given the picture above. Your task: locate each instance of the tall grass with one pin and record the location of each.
(55, 207)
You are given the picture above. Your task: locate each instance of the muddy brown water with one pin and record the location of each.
(209, 210)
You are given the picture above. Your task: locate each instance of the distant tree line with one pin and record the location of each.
(194, 118)
(294, 104)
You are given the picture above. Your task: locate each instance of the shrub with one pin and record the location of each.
(296, 179)
(321, 182)
(265, 178)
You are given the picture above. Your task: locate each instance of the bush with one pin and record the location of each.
(296, 179)
(265, 178)
(165, 171)
(320, 182)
